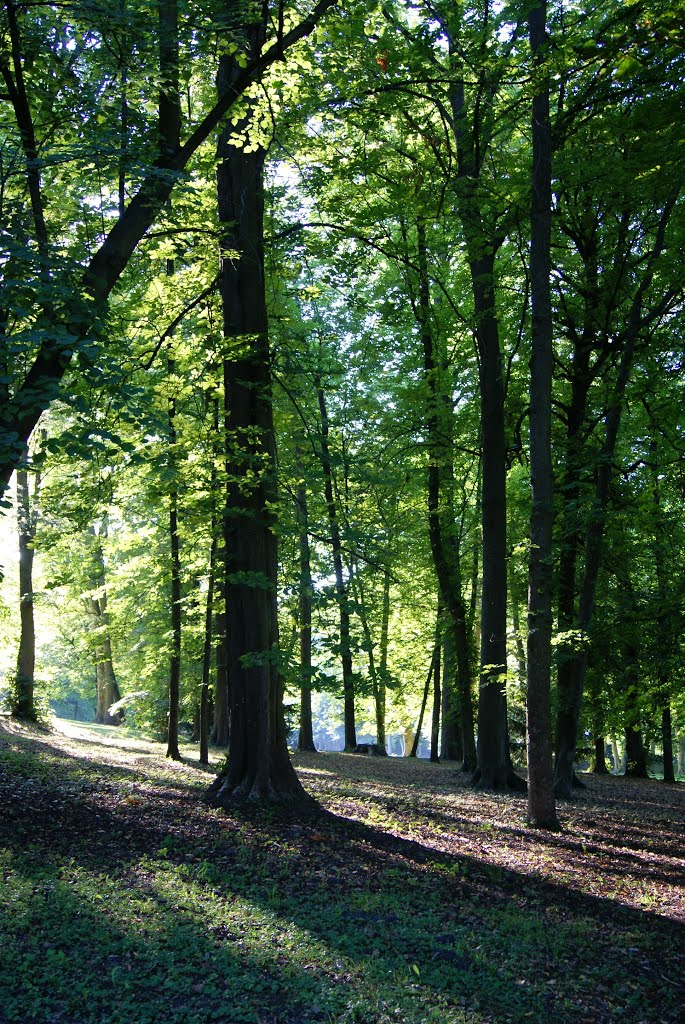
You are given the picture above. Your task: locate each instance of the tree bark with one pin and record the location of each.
(383, 663)
(541, 806)
(435, 718)
(667, 743)
(451, 747)
(571, 682)
(493, 755)
(96, 605)
(340, 584)
(599, 765)
(203, 723)
(174, 694)
(207, 653)
(258, 765)
(23, 704)
(442, 526)
(306, 737)
(435, 657)
(221, 723)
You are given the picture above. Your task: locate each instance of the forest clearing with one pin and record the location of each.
(404, 897)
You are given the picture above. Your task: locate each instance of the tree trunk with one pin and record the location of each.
(667, 743)
(493, 755)
(23, 705)
(636, 755)
(665, 627)
(174, 695)
(518, 641)
(340, 584)
(413, 751)
(96, 606)
(383, 663)
(221, 723)
(258, 765)
(442, 526)
(575, 666)
(207, 653)
(451, 747)
(599, 766)
(541, 806)
(203, 722)
(435, 718)
(306, 737)
(616, 756)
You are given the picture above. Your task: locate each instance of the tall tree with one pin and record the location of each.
(258, 765)
(306, 735)
(541, 808)
(23, 703)
(95, 598)
(341, 585)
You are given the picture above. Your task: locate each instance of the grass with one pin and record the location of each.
(407, 899)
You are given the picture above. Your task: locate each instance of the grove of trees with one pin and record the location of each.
(343, 369)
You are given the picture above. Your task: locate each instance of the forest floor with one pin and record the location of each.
(408, 898)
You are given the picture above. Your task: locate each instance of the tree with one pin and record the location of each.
(68, 310)
(306, 736)
(541, 809)
(23, 703)
(258, 765)
(95, 599)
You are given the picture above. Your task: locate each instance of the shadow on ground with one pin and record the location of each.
(124, 899)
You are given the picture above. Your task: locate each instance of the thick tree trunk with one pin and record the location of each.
(258, 765)
(23, 705)
(493, 766)
(306, 737)
(541, 806)
(599, 764)
(107, 688)
(636, 755)
(493, 771)
(665, 628)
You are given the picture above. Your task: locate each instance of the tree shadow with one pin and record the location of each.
(376, 919)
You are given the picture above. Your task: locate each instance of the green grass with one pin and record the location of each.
(124, 900)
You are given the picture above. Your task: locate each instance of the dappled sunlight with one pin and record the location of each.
(397, 904)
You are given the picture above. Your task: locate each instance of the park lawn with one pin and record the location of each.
(404, 897)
